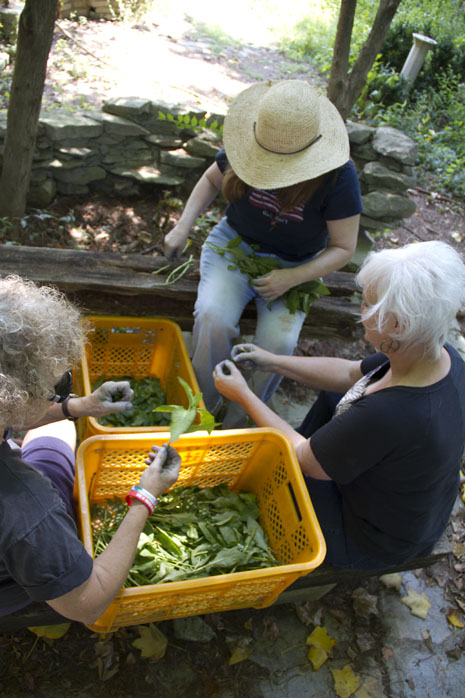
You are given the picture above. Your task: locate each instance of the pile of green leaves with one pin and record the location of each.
(299, 297)
(194, 532)
(148, 395)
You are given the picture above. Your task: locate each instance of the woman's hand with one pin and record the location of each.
(100, 402)
(163, 470)
(175, 242)
(274, 284)
(229, 381)
(251, 356)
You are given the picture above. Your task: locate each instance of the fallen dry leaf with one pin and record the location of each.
(345, 681)
(391, 581)
(364, 603)
(52, 632)
(426, 635)
(387, 652)
(454, 620)
(320, 645)
(151, 643)
(309, 613)
(458, 549)
(242, 650)
(371, 688)
(419, 604)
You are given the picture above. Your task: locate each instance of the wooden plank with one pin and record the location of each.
(95, 279)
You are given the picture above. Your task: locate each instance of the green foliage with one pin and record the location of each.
(299, 297)
(436, 121)
(194, 532)
(432, 112)
(129, 10)
(185, 121)
(182, 419)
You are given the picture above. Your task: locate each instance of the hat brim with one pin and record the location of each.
(262, 169)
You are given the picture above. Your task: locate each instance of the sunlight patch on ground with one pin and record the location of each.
(259, 22)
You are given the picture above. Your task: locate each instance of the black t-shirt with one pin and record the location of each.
(41, 556)
(395, 455)
(300, 232)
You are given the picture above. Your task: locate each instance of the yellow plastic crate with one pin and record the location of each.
(261, 461)
(139, 348)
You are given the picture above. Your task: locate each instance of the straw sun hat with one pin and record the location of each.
(279, 134)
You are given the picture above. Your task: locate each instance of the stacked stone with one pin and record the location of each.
(119, 150)
(127, 146)
(385, 159)
(94, 9)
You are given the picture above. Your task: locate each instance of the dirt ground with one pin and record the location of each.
(82, 71)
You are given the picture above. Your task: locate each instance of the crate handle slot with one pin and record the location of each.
(297, 509)
(126, 330)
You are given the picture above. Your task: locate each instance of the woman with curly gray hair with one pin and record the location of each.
(381, 447)
(41, 556)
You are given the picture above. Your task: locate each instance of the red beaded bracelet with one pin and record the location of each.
(138, 492)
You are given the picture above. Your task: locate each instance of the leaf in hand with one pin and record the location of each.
(182, 419)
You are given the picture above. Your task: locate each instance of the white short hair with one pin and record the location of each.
(422, 284)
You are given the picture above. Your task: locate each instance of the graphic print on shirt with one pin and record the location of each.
(269, 203)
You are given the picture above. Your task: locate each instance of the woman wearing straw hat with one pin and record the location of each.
(293, 193)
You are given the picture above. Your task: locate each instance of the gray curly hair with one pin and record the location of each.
(41, 335)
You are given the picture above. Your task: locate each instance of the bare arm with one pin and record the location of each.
(88, 601)
(97, 404)
(321, 373)
(202, 194)
(342, 241)
(234, 386)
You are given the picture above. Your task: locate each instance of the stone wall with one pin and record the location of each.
(94, 9)
(126, 149)
(385, 159)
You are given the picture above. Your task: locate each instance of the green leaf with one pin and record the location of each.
(181, 420)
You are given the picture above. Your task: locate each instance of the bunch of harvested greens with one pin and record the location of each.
(194, 532)
(148, 395)
(299, 297)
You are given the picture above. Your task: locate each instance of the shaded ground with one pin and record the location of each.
(83, 665)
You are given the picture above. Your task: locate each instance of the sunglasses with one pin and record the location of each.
(63, 387)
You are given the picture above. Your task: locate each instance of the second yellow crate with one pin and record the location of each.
(261, 461)
(138, 348)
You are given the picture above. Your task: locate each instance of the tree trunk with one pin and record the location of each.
(343, 88)
(337, 84)
(35, 35)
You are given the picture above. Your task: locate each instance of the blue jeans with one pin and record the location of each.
(222, 296)
(327, 500)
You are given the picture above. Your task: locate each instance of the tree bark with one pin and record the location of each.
(344, 88)
(35, 35)
(337, 84)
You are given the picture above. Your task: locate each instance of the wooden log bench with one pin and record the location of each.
(311, 587)
(124, 284)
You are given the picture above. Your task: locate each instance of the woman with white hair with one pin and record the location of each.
(41, 556)
(381, 450)
(293, 195)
